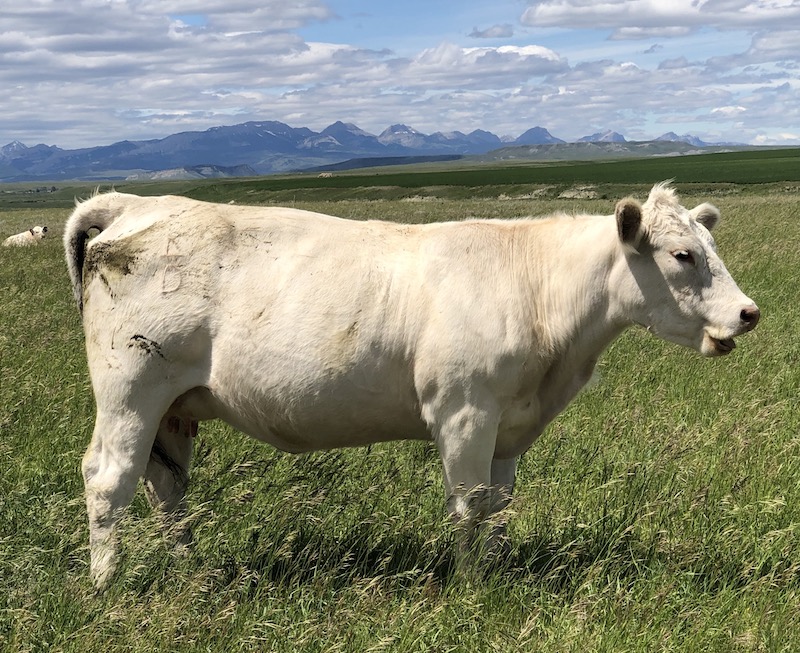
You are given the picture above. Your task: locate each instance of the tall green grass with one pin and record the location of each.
(661, 511)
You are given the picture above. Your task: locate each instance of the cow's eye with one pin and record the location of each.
(683, 256)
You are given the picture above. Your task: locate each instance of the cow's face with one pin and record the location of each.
(678, 286)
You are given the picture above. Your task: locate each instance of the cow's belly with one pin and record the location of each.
(299, 414)
(310, 434)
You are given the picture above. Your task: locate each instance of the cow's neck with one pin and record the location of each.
(571, 264)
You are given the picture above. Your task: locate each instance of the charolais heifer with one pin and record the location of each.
(310, 332)
(30, 237)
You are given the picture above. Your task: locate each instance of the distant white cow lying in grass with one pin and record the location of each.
(311, 332)
(30, 237)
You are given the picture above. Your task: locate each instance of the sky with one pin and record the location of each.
(93, 72)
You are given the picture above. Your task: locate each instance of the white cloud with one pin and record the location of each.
(635, 18)
(775, 45)
(505, 31)
(778, 138)
(728, 112)
(641, 33)
(449, 66)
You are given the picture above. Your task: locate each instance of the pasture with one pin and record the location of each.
(660, 511)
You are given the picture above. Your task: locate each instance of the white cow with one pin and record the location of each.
(30, 237)
(310, 332)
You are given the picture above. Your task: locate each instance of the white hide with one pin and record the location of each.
(311, 332)
(30, 237)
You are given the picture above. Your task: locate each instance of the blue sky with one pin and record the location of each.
(94, 72)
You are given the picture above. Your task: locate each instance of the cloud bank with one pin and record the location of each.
(96, 71)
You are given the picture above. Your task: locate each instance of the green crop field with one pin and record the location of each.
(659, 512)
(749, 167)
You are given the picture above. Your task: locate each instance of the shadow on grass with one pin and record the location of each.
(313, 554)
(308, 557)
(556, 562)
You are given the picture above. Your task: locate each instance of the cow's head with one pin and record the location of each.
(677, 285)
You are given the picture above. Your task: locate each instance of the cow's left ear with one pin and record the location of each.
(706, 214)
(629, 221)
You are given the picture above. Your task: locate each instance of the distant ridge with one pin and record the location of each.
(264, 147)
(536, 136)
(375, 162)
(195, 172)
(603, 137)
(672, 137)
(594, 150)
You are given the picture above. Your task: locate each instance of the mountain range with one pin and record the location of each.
(258, 148)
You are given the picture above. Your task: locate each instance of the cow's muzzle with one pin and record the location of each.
(714, 344)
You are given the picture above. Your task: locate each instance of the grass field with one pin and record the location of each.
(659, 512)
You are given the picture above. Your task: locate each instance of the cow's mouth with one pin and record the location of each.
(717, 346)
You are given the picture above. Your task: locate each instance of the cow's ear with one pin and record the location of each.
(706, 214)
(629, 221)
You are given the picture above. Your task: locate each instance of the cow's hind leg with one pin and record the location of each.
(167, 473)
(116, 459)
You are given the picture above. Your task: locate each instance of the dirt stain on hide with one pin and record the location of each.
(107, 262)
(343, 346)
(150, 347)
(109, 257)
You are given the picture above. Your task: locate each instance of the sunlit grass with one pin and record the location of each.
(661, 511)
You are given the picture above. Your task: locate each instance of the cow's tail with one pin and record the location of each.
(96, 213)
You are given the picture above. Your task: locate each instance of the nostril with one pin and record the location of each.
(750, 315)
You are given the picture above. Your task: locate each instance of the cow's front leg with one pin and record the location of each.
(466, 442)
(504, 474)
